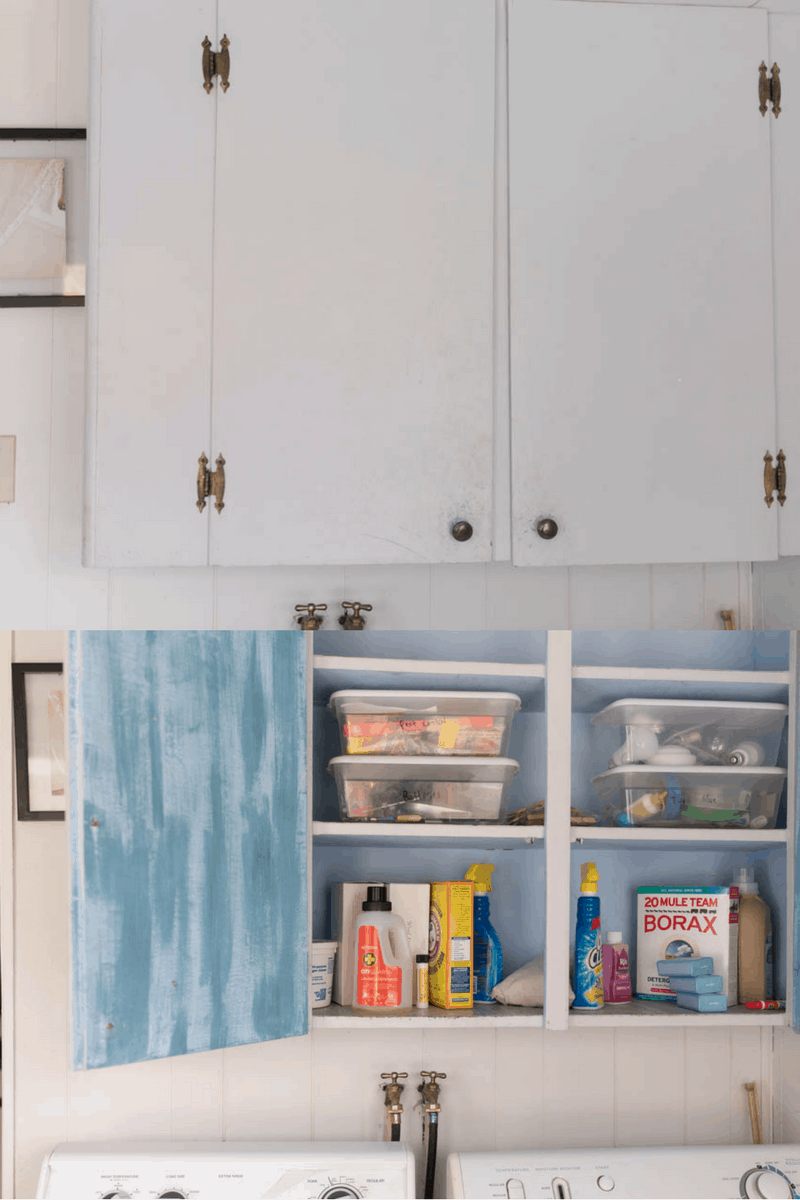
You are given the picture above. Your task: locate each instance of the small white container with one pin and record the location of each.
(719, 733)
(731, 797)
(432, 723)
(422, 788)
(323, 955)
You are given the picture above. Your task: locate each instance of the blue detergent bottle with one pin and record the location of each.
(588, 980)
(487, 969)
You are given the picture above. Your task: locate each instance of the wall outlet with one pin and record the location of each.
(8, 454)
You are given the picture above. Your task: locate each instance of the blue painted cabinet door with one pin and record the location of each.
(189, 842)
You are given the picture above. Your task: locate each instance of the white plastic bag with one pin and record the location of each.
(525, 987)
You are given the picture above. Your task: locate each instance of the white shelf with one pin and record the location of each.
(399, 835)
(332, 673)
(338, 1016)
(641, 1014)
(595, 687)
(706, 839)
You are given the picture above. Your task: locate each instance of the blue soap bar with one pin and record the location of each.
(696, 983)
(711, 1002)
(685, 966)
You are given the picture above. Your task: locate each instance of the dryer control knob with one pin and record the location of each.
(766, 1184)
(606, 1183)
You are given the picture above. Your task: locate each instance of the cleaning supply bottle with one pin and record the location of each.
(616, 970)
(384, 966)
(755, 940)
(588, 983)
(487, 968)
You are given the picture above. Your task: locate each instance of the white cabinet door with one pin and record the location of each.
(151, 149)
(352, 394)
(784, 48)
(641, 357)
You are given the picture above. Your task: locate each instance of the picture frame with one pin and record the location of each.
(39, 741)
(32, 286)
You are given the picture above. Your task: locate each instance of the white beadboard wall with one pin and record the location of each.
(45, 586)
(505, 1088)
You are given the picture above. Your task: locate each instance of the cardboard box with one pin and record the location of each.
(451, 944)
(695, 922)
(411, 901)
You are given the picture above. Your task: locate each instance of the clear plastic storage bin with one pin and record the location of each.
(422, 788)
(699, 733)
(719, 797)
(446, 723)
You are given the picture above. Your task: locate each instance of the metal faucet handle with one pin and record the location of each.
(310, 620)
(354, 619)
(433, 1075)
(394, 1076)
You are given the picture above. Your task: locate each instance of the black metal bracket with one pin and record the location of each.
(42, 135)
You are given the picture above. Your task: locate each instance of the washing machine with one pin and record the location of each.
(228, 1170)
(654, 1173)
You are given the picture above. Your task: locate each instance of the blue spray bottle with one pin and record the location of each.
(588, 981)
(487, 969)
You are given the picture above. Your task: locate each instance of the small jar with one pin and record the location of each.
(421, 975)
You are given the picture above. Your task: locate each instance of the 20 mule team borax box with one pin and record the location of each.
(686, 922)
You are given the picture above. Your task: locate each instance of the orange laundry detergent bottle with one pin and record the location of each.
(384, 966)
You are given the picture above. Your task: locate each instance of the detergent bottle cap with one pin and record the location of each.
(376, 900)
(481, 876)
(746, 882)
(589, 877)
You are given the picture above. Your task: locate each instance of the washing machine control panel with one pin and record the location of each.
(230, 1171)
(660, 1173)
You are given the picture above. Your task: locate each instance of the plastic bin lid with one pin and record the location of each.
(452, 703)
(448, 768)
(730, 714)
(650, 776)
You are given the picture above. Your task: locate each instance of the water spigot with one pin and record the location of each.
(430, 1090)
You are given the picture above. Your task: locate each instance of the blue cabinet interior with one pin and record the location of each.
(189, 842)
(518, 906)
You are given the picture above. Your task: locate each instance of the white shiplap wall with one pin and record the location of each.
(505, 1087)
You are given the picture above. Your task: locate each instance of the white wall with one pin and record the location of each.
(42, 404)
(505, 1087)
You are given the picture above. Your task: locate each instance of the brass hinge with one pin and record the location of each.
(769, 89)
(218, 63)
(775, 479)
(211, 483)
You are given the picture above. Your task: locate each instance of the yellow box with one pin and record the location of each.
(451, 944)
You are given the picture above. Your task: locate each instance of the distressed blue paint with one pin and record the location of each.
(192, 931)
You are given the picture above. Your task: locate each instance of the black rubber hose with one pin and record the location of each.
(396, 1132)
(430, 1170)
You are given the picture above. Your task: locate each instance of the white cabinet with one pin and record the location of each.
(784, 48)
(339, 217)
(309, 274)
(641, 317)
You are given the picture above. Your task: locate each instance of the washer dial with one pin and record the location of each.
(766, 1183)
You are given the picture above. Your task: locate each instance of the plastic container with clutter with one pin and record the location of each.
(690, 795)
(720, 733)
(422, 788)
(440, 723)
(323, 955)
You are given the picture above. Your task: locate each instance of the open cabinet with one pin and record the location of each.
(191, 904)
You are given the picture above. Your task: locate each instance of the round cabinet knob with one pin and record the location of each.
(767, 1185)
(461, 530)
(546, 528)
